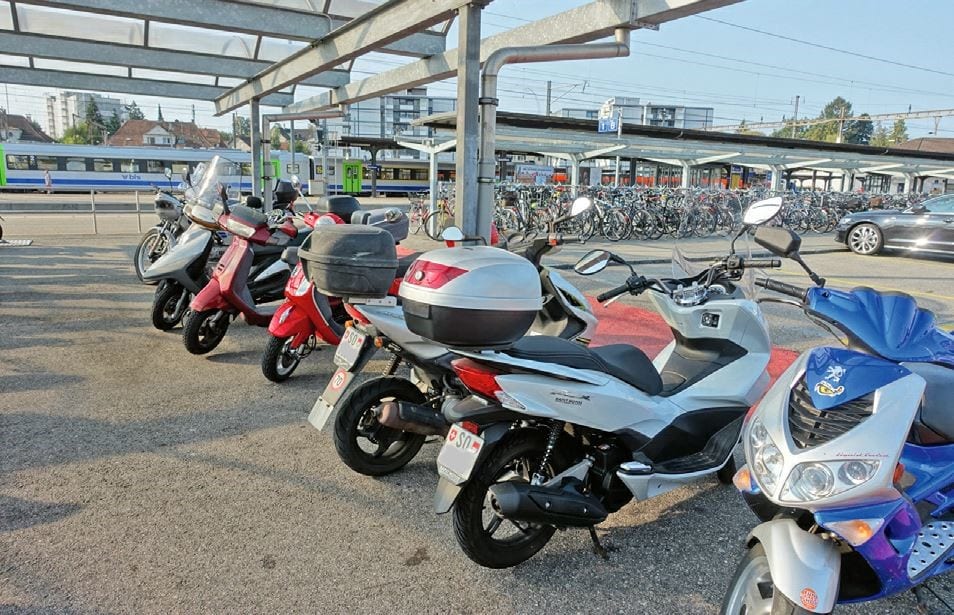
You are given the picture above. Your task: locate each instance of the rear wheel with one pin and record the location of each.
(365, 445)
(166, 312)
(865, 239)
(279, 359)
(752, 590)
(202, 331)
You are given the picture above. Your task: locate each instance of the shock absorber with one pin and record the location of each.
(556, 428)
(393, 364)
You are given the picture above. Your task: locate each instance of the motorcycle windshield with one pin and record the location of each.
(207, 178)
(889, 324)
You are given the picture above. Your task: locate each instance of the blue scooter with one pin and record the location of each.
(849, 456)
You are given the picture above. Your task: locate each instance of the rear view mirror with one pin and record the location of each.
(761, 212)
(592, 262)
(580, 205)
(452, 233)
(168, 173)
(296, 183)
(779, 241)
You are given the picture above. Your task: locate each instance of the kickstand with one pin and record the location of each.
(597, 547)
(919, 597)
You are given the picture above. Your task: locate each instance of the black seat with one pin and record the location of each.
(404, 263)
(628, 363)
(937, 410)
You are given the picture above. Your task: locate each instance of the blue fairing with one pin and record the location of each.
(835, 375)
(891, 325)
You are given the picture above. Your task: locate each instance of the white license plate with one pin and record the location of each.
(456, 460)
(329, 397)
(350, 347)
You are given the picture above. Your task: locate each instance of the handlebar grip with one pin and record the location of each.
(782, 287)
(763, 262)
(619, 290)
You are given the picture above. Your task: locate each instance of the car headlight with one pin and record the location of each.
(767, 460)
(817, 480)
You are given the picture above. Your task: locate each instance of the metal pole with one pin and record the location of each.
(549, 94)
(619, 135)
(374, 173)
(468, 127)
(138, 213)
(92, 206)
(795, 121)
(324, 159)
(267, 163)
(291, 144)
(254, 116)
(432, 161)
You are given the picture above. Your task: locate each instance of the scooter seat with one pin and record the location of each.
(937, 409)
(628, 363)
(262, 250)
(404, 263)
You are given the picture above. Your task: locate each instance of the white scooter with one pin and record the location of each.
(558, 435)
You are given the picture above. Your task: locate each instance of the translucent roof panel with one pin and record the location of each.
(70, 24)
(6, 16)
(6, 60)
(338, 8)
(80, 67)
(229, 82)
(310, 6)
(352, 8)
(275, 49)
(162, 75)
(201, 40)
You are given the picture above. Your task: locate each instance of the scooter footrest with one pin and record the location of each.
(715, 452)
(934, 543)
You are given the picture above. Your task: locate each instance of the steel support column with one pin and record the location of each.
(778, 177)
(910, 182)
(686, 170)
(255, 119)
(468, 124)
(267, 162)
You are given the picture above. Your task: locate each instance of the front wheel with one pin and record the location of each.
(154, 244)
(365, 445)
(485, 536)
(166, 309)
(202, 331)
(752, 590)
(280, 359)
(865, 239)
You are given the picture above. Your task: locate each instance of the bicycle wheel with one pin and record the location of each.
(435, 223)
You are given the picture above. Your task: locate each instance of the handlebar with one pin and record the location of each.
(619, 290)
(633, 283)
(762, 263)
(782, 287)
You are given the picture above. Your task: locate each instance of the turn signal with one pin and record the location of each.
(857, 531)
(379, 342)
(349, 324)
(898, 472)
(743, 479)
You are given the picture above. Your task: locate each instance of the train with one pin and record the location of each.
(81, 168)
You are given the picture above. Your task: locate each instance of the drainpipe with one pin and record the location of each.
(487, 163)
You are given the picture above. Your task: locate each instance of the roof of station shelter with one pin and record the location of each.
(566, 137)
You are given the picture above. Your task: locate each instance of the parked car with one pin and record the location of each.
(926, 227)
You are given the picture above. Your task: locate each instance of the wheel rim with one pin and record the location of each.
(753, 592)
(288, 359)
(506, 532)
(376, 440)
(864, 239)
(210, 332)
(169, 312)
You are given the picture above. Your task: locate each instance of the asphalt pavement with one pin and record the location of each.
(135, 477)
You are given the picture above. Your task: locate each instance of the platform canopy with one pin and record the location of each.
(192, 49)
(578, 138)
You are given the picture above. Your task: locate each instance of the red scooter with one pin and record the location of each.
(254, 254)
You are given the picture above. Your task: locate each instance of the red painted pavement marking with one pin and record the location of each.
(624, 324)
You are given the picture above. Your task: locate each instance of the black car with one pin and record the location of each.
(927, 227)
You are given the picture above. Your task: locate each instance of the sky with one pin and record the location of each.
(884, 57)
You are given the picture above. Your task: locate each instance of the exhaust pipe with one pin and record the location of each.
(562, 505)
(413, 418)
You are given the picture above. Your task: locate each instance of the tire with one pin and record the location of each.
(865, 239)
(197, 334)
(476, 540)
(355, 422)
(164, 316)
(435, 223)
(754, 570)
(727, 472)
(279, 361)
(142, 259)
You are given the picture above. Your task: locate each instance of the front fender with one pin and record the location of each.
(290, 322)
(805, 568)
(209, 298)
(447, 492)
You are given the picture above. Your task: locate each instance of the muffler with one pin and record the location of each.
(413, 418)
(563, 505)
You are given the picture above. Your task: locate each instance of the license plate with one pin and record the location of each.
(329, 397)
(456, 460)
(350, 347)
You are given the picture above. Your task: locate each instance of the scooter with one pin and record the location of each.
(382, 423)
(258, 241)
(557, 435)
(158, 240)
(850, 456)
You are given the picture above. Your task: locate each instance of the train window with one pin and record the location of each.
(420, 174)
(47, 163)
(102, 165)
(18, 163)
(178, 168)
(386, 174)
(366, 173)
(246, 168)
(404, 174)
(129, 166)
(75, 164)
(154, 166)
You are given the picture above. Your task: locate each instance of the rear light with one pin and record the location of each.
(470, 426)
(478, 378)
(431, 275)
(355, 314)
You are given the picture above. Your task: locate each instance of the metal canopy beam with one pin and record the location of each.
(121, 85)
(586, 23)
(242, 17)
(371, 31)
(420, 44)
(136, 56)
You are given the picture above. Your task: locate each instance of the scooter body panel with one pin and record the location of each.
(175, 264)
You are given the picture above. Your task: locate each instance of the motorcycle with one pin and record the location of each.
(254, 254)
(850, 455)
(557, 435)
(308, 316)
(393, 415)
(159, 239)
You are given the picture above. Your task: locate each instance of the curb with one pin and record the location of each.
(703, 259)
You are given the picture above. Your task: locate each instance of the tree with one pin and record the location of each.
(858, 131)
(243, 127)
(76, 135)
(114, 123)
(880, 136)
(743, 129)
(160, 114)
(277, 137)
(93, 116)
(302, 147)
(899, 132)
(134, 112)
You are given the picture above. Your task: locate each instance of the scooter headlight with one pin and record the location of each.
(767, 460)
(813, 481)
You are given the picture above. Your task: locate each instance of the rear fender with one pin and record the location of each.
(210, 298)
(805, 568)
(447, 492)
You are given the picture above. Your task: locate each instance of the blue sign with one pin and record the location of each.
(374, 167)
(607, 124)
